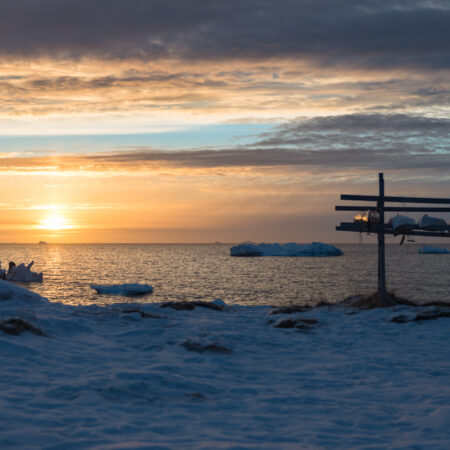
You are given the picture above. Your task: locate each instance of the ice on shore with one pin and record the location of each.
(127, 290)
(240, 377)
(289, 249)
(21, 273)
(11, 293)
(142, 376)
(429, 249)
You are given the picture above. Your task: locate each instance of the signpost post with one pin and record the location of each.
(381, 229)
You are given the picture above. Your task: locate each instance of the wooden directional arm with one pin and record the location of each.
(376, 198)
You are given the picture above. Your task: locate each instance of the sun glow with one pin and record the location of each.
(54, 222)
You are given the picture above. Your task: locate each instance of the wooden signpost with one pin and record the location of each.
(379, 226)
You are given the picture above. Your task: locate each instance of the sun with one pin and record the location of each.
(54, 222)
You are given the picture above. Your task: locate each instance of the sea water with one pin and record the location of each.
(207, 272)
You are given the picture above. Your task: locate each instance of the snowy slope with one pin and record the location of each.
(137, 376)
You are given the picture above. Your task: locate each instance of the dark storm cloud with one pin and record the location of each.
(392, 141)
(373, 142)
(372, 33)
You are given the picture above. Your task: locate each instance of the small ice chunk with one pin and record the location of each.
(429, 249)
(128, 290)
(23, 273)
(289, 249)
(219, 302)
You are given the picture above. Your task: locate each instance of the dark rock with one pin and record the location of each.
(142, 313)
(196, 396)
(400, 319)
(432, 315)
(17, 326)
(299, 324)
(209, 305)
(428, 315)
(323, 304)
(372, 301)
(200, 348)
(189, 306)
(291, 309)
(179, 306)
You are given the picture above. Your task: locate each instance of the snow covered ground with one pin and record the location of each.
(191, 376)
(289, 249)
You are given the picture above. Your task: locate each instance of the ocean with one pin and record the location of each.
(207, 272)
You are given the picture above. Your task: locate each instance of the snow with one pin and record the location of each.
(127, 290)
(429, 249)
(289, 249)
(22, 273)
(142, 376)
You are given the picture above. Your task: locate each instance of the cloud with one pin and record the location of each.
(372, 33)
(358, 141)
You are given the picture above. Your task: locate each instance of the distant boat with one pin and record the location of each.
(42, 243)
(402, 224)
(429, 223)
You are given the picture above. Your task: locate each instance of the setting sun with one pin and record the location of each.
(54, 222)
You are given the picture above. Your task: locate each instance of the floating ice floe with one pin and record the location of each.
(21, 273)
(289, 249)
(128, 290)
(429, 249)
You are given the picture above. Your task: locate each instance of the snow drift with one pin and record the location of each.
(127, 290)
(429, 249)
(141, 376)
(289, 249)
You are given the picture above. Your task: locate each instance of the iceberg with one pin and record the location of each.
(21, 273)
(127, 290)
(436, 250)
(289, 249)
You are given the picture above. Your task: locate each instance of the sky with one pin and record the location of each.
(201, 120)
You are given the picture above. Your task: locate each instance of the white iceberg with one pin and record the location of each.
(289, 249)
(21, 273)
(432, 223)
(436, 250)
(128, 290)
